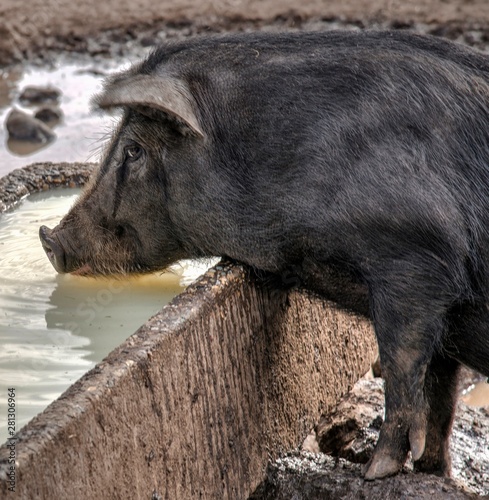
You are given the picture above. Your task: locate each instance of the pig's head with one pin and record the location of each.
(122, 222)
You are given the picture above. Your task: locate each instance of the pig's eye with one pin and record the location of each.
(133, 152)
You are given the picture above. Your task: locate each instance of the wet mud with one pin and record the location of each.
(99, 27)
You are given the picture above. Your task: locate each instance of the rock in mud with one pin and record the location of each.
(24, 127)
(50, 115)
(34, 95)
(351, 431)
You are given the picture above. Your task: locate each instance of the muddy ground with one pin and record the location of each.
(31, 28)
(347, 437)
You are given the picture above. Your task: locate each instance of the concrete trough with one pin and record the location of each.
(229, 375)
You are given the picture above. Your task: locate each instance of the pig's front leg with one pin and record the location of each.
(409, 307)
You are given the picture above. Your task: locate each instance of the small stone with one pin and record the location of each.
(51, 115)
(33, 95)
(24, 127)
(148, 40)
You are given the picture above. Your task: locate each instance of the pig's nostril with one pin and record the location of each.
(54, 251)
(44, 236)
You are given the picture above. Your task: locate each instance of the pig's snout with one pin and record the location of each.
(53, 249)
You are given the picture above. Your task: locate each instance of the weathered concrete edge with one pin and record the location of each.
(41, 177)
(85, 443)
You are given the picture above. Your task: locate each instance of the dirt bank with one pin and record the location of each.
(28, 29)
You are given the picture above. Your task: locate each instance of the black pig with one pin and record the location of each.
(359, 160)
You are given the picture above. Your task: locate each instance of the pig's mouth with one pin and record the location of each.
(85, 270)
(59, 258)
(68, 254)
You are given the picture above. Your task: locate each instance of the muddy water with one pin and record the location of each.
(477, 394)
(53, 328)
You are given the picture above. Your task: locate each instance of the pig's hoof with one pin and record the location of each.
(381, 466)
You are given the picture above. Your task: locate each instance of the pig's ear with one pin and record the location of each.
(154, 94)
